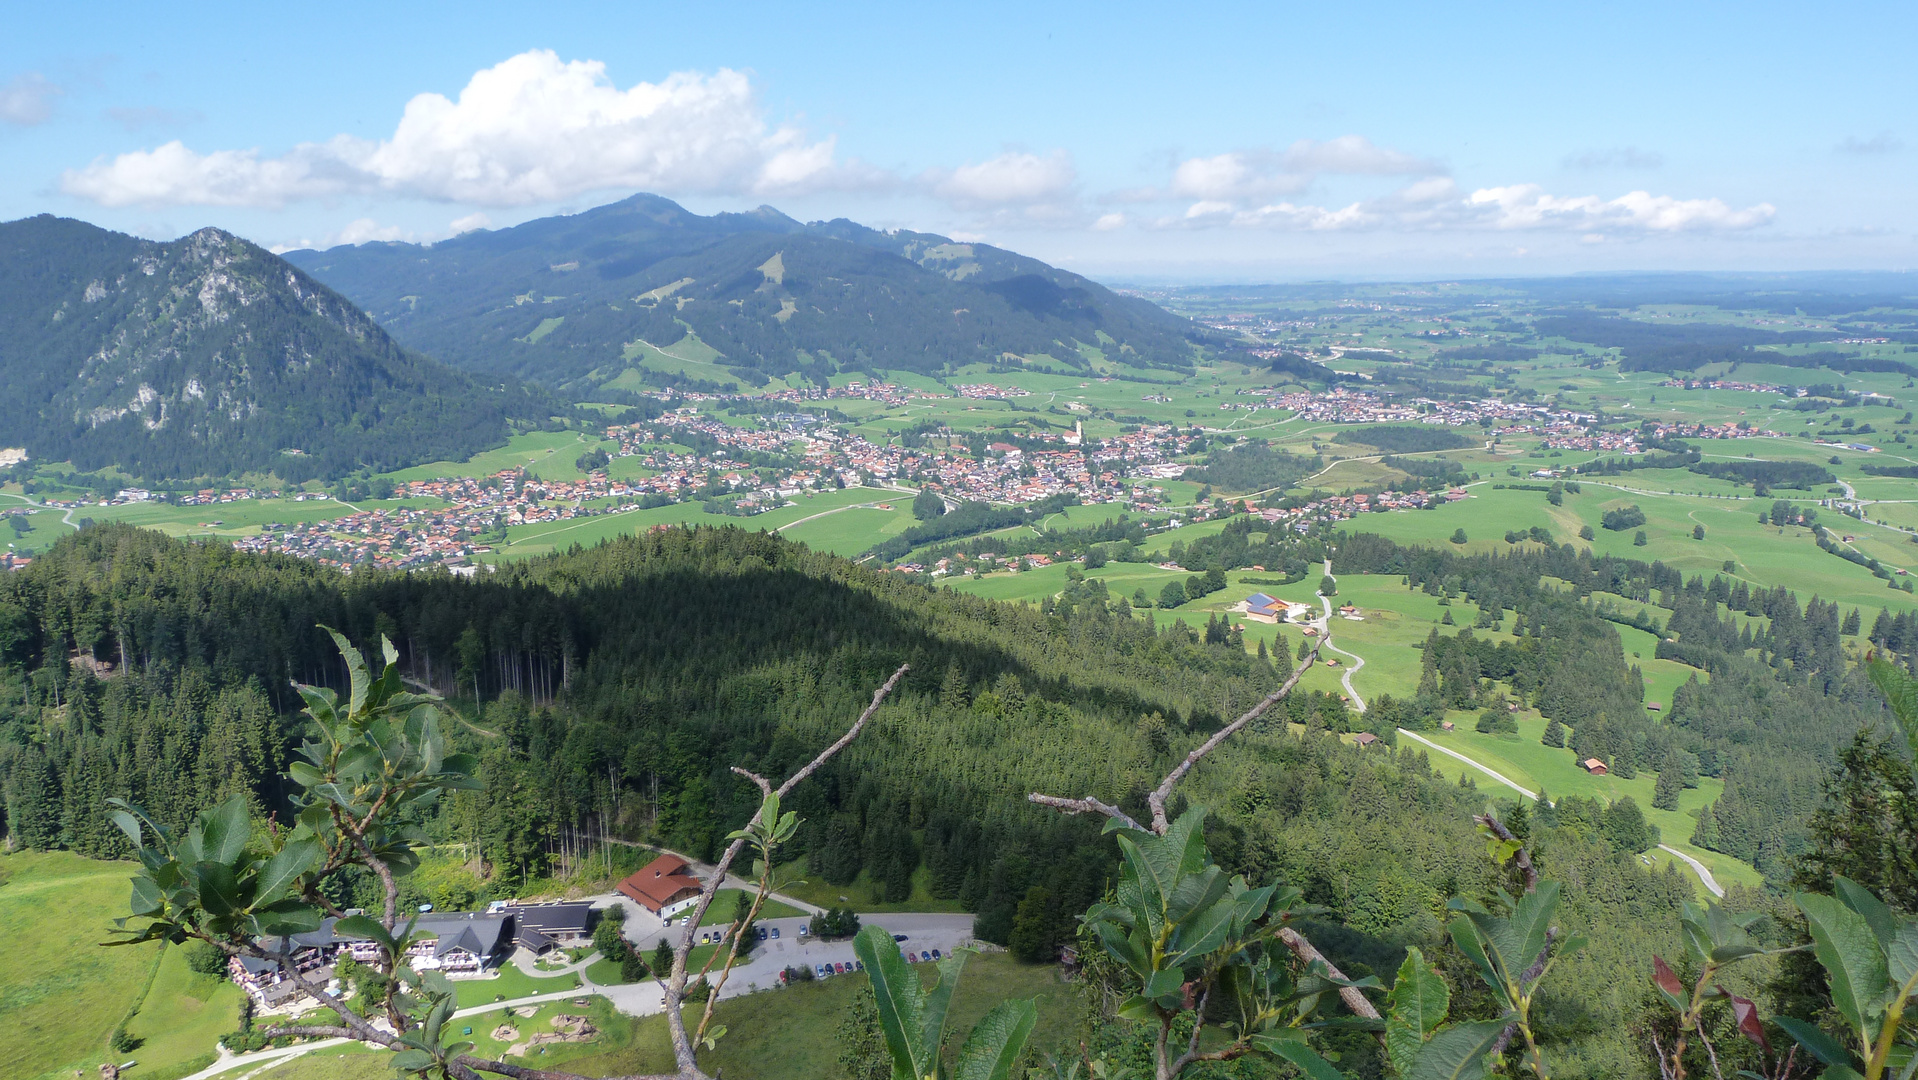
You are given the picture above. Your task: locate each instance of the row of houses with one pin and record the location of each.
(455, 942)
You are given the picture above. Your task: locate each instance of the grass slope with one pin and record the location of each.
(60, 992)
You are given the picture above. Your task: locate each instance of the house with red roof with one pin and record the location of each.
(664, 886)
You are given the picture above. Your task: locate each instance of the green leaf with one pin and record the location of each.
(1818, 1044)
(219, 892)
(147, 897)
(411, 1060)
(283, 869)
(1854, 965)
(1884, 924)
(1419, 994)
(932, 1031)
(1901, 693)
(1137, 1008)
(997, 1041)
(224, 831)
(1458, 1052)
(1298, 1053)
(355, 670)
(895, 989)
(1164, 986)
(1465, 934)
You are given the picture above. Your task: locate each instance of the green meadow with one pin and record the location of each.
(60, 992)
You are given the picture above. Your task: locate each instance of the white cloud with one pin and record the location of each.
(1109, 222)
(469, 223)
(1245, 175)
(1436, 204)
(1011, 179)
(362, 230)
(1882, 143)
(528, 130)
(1527, 206)
(1353, 155)
(28, 99)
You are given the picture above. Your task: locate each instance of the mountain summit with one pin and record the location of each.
(643, 289)
(209, 355)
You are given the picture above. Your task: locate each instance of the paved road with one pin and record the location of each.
(1325, 627)
(1704, 874)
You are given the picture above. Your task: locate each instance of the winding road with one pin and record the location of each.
(1358, 705)
(1699, 868)
(1325, 627)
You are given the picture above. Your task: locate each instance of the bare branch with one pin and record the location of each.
(852, 733)
(1157, 799)
(1523, 858)
(683, 1044)
(1301, 948)
(521, 1072)
(765, 788)
(1087, 805)
(310, 1031)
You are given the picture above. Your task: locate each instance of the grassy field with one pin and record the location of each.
(548, 455)
(861, 893)
(724, 901)
(60, 992)
(544, 538)
(510, 983)
(1532, 765)
(791, 1034)
(853, 529)
(182, 1019)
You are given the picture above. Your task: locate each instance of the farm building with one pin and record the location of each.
(663, 886)
(1594, 766)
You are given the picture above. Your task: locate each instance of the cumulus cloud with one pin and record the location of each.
(1437, 203)
(531, 129)
(1618, 157)
(27, 99)
(469, 223)
(1242, 175)
(1882, 143)
(1011, 179)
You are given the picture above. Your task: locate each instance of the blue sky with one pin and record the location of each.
(1220, 142)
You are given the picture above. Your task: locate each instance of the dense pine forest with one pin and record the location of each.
(617, 685)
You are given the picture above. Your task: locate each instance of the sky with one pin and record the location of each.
(1146, 143)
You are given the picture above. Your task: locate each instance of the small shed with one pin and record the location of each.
(1594, 766)
(1365, 738)
(1651, 706)
(1447, 725)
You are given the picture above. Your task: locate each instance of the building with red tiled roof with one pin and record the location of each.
(662, 886)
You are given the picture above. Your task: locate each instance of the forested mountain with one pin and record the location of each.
(621, 682)
(568, 300)
(209, 356)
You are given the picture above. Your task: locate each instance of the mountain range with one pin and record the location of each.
(210, 356)
(643, 291)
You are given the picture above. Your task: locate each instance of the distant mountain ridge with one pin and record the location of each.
(577, 301)
(210, 356)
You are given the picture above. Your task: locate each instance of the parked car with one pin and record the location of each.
(899, 937)
(776, 931)
(935, 954)
(820, 970)
(761, 935)
(802, 931)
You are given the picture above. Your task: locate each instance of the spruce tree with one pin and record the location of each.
(1554, 734)
(1671, 781)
